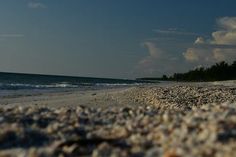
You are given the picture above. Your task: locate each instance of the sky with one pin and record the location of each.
(115, 38)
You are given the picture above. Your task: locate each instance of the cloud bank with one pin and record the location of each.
(154, 54)
(158, 61)
(220, 47)
(165, 57)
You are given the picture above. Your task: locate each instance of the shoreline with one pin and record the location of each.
(56, 99)
(152, 120)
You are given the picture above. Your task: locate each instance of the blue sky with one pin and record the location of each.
(111, 38)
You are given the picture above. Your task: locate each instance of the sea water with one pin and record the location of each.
(28, 84)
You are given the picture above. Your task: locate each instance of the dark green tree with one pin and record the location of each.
(219, 71)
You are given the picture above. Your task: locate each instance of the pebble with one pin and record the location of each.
(1, 119)
(154, 152)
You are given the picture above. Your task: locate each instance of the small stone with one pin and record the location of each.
(69, 149)
(103, 150)
(1, 119)
(154, 152)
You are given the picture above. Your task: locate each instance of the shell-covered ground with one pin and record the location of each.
(173, 121)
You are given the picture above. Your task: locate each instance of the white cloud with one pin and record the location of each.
(172, 31)
(191, 55)
(158, 61)
(224, 55)
(221, 47)
(228, 23)
(199, 40)
(36, 5)
(154, 54)
(224, 37)
(154, 51)
(199, 55)
(218, 54)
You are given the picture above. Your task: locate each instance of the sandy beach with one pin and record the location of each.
(170, 120)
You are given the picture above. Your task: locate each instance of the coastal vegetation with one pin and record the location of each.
(217, 72)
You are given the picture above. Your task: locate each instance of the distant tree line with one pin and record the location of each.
(218, 72)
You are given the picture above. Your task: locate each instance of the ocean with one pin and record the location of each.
(34, 83)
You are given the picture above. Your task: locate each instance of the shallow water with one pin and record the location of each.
(15, 85)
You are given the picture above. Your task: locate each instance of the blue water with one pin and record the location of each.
(30, 83)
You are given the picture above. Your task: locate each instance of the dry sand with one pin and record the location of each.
(170, 120)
